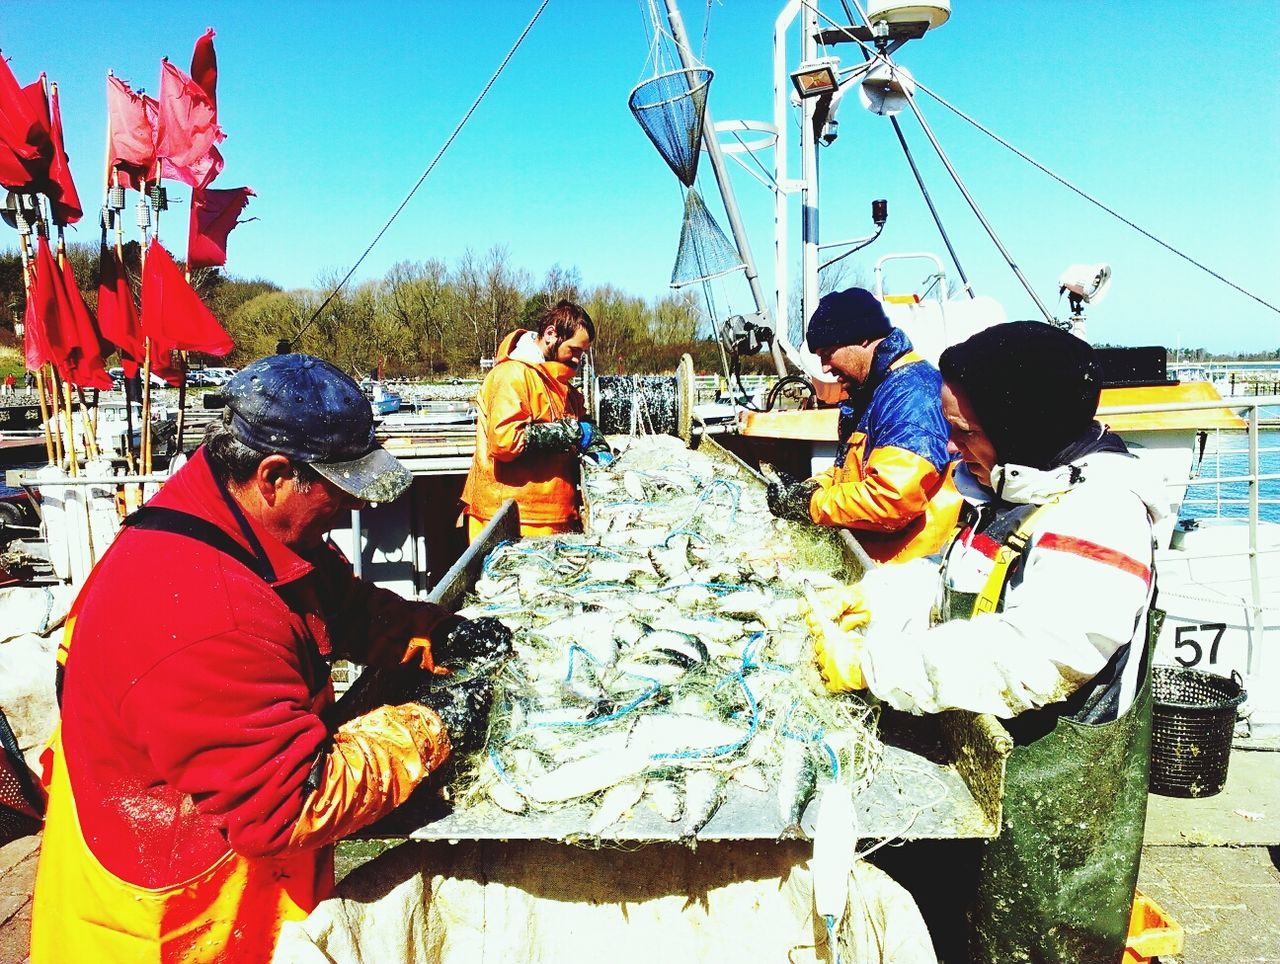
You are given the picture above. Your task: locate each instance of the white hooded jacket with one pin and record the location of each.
(1082, 593)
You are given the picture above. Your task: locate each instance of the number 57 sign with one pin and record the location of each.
(1214, 647)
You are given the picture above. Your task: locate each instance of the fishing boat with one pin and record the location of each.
(1222, 599)
(382, 400)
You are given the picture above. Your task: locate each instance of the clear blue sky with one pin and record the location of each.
(333, 109)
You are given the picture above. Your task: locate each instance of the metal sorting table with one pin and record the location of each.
(940, 777)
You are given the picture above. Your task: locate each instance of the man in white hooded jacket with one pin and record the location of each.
(1040, 617)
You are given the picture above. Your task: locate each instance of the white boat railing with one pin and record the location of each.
(1250, 408)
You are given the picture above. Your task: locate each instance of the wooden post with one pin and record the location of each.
(72, 460)
(144, 455)
(27, 281)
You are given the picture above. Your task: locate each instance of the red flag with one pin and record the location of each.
(62, 194)
(166, 366)
(187, 130)
(35, 346)
(213, 215)
(25, 145)
(117, 314)
(173, 314)
(199, 174)
(204, 66)
(63, 332)
(131, 118)
(21, 124)
(46, 339)
(13, 174)
(84, 365)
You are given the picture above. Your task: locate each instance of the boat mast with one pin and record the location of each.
(712, 146)
(809, 176)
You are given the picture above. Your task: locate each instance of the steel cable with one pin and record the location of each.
(430, 167)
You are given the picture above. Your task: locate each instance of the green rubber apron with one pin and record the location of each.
(1057, 884)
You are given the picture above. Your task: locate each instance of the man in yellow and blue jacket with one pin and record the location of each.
(891, 481)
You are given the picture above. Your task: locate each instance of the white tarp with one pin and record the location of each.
(28, 648)
(543, 902)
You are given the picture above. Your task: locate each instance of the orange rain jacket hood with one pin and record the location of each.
(519, 390)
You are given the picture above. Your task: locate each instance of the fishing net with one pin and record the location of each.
(705, 252)
(670, 108)
(663, 668)
(638, 404)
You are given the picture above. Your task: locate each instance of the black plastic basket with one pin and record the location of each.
(1195, 714)
(21, 801)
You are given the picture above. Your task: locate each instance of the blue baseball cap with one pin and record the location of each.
(309, 410)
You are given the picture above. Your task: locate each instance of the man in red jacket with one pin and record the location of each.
(197, 784)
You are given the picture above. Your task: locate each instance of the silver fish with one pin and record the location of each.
(614, 805)
(797, 780)
(703, 794)
(667, 799)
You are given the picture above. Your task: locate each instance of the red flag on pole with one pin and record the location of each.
(62, 195)
(173, 314)
(187, 129)
(213, 215)
(46, 339)
(117, 314)
(13, 174)
(34, 344)
(84, 365)
(22, 127)
(204, 66)
(63, 331)
(132, 120)
(25, 145)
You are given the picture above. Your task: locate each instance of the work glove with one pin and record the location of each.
(790, 500)
(837, 648)
(456, 640)
(463, 703)
(370, 767)
(562, 435)
(846, 606)
(593, 444)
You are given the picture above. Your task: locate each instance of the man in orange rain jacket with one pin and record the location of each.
(531, 427)
(196, 786)
(891, 482)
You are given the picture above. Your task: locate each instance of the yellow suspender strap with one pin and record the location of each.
(1014, 546)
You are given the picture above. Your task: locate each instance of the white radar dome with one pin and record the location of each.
(935, 13)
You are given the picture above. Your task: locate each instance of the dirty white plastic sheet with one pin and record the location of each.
(543, 902)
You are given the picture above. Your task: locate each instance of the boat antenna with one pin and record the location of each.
(1094, 201)
(430, 167)
(869, 54)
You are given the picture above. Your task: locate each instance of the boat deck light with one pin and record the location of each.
(814, 78)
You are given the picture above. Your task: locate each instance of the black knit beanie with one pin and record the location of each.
(847, 318)
(1034, 388)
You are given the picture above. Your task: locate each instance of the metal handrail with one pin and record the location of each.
(1253, 478)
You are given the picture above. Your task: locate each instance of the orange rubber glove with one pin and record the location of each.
(375, 762)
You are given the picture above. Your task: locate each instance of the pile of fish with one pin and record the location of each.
(662, 658)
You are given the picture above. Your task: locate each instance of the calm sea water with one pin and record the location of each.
(1234, 460)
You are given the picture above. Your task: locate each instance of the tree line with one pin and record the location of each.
(421, 319)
